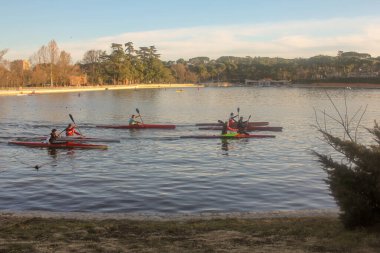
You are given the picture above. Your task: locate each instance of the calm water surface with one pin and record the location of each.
(154, 170)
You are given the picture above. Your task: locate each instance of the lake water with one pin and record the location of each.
(154, 171)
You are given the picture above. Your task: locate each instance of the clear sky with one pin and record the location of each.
(191, 28)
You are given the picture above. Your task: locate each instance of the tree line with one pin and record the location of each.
(125, 64)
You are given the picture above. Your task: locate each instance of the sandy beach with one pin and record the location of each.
(46, 90)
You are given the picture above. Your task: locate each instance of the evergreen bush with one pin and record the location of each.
(355, 181)
(354, 175)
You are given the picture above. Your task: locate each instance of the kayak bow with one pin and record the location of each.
(68, 138)
(66, 144)
(228, 136)
(249, 128)
(233, 125)
(139, 126)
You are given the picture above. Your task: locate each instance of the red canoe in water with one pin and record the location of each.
(66, 144)
(249, 128)
(228, 136)
(139, 126)
(234, 125)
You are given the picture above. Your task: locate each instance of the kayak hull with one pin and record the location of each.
(67, 144)
(239, 136)
(68, 138)
(249, 128)
(234, 125)
(139, 126)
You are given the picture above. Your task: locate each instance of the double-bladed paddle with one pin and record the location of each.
(72, 119)
(138, 111)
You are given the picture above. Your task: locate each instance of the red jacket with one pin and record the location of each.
(229, 125)
(70, 131)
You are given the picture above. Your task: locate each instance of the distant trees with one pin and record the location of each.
(91, 65)
(3, 70)
(125, 64)
(51, 66)
(182, 73)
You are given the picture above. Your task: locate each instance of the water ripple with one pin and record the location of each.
(155, 171)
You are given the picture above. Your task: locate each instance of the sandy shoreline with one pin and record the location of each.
(47, 90)
(170, 217)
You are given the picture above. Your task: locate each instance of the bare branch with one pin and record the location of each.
(360, 119)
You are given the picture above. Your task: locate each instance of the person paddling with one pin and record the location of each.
(227, 126)
(231, 122)
(224, 128)
(70, 130)
(241, 126)
(133, 121)
(53, 136)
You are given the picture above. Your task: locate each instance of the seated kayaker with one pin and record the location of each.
(133, 121)
(53, 136)
(231, 123)
(224, 128)
(241, 126)
(70, 130)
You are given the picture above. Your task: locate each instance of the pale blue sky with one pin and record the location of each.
(190, 28)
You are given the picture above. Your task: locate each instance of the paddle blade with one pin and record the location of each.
(71, 117)
(137, 110)
(238, 109)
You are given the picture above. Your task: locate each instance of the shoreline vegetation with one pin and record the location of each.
(126, 64)
(282, 231)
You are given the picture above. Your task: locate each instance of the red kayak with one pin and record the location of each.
(228, 136)
(68, 138)
(249, 128)
(66, 144)
(139, 126)
(234, 125)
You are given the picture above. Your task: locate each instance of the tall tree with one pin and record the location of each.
(64, 68)
(91, 65)
(53, 56)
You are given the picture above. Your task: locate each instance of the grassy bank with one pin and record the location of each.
(294, 234)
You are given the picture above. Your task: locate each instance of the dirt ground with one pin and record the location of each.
(295, 231)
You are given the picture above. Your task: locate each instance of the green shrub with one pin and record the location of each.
(354, 181)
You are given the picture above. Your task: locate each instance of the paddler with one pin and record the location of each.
(241, 125)
(231, 122)
(224, 128)
(133, 121)
(53, 136)
(70, 130)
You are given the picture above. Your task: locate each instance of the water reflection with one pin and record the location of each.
(225, 146)
(52, 152)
